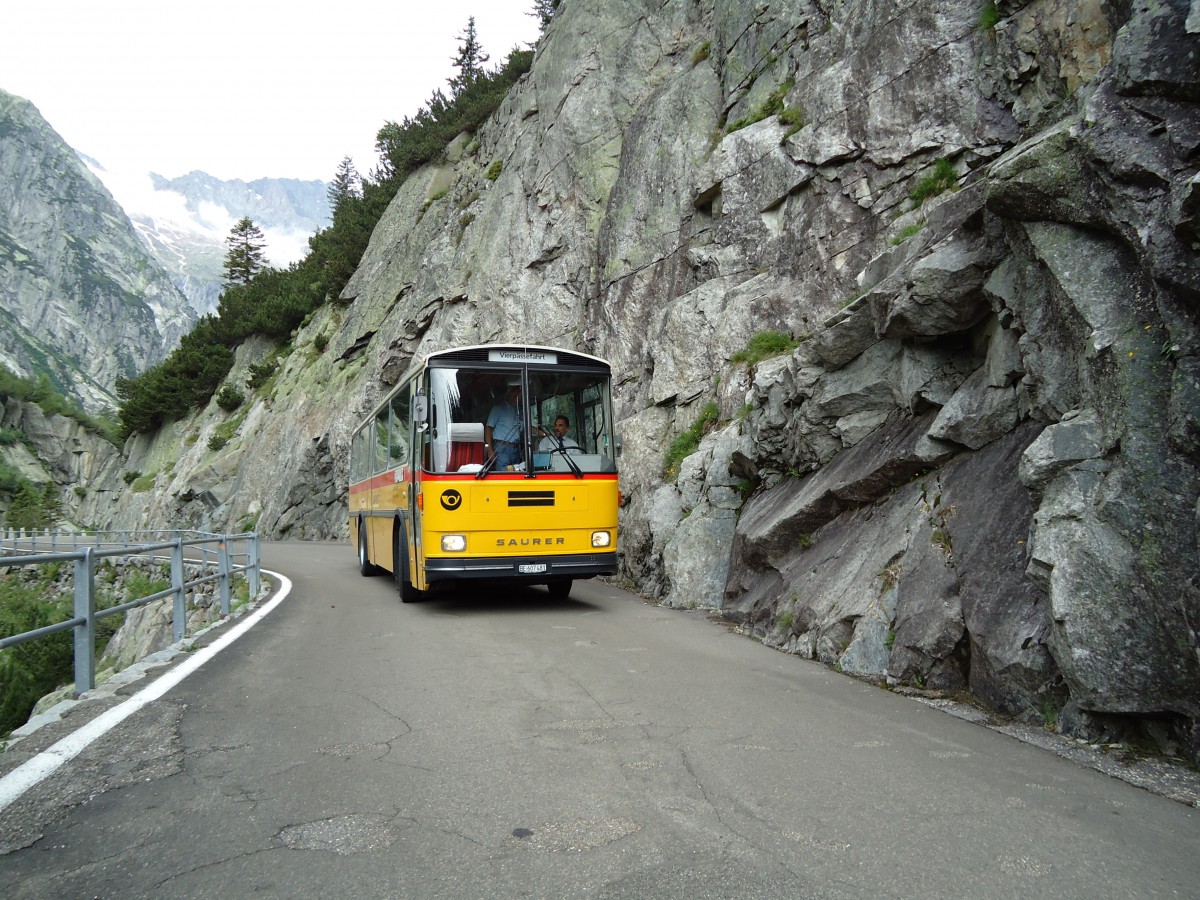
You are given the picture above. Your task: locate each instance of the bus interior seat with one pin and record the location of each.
(466, 445)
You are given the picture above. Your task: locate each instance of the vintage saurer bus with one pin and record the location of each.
(461, 474)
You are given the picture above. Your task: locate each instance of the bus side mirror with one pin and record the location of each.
(421, 408)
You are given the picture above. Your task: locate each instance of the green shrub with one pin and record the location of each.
(144, 483)
(11, 480)
(494, 170)
(940, 180)
(29, 671)
(685, 444)
(260, 374)
(223, 433)
(906, 232)
(771, 106)
(793, 117)
(230, 398)
(34, 508)
(10, 436)
(989, 17)
(764, 345)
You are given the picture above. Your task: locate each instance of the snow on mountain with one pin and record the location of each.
(185, 221)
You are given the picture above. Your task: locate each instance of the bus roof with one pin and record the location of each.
(520, 353)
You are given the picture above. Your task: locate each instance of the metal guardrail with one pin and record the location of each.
(212, 553)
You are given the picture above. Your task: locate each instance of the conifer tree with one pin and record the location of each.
(26, 510)
(469, 61)
(51, 506)
(346, 185)
(244, 254)
(543, 11)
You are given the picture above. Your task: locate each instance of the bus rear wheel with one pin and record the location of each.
(559, 589)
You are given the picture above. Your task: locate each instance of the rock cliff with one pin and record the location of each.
(976, 470)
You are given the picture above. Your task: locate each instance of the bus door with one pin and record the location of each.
(419, 459)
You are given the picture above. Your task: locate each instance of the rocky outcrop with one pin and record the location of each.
(81, 299)
(1033, 535)
(978, 468)
(59, 451)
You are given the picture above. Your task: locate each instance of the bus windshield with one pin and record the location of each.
(518, 419)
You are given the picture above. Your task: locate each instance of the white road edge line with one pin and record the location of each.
(34, 770)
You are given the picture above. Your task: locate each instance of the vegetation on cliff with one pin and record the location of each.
(274, 302)
(38, 596)
(28, 504)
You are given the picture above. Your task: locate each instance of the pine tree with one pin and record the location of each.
(26, 510)
(346, 185)
(51, 505)
(543, 11)
(244, 256)
(469, 61)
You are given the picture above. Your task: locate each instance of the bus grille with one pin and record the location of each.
(531, 498)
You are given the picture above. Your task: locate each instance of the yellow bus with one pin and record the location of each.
(491, 463)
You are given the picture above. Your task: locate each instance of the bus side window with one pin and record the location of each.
(381, 441)
(401, 429)
(354, 456)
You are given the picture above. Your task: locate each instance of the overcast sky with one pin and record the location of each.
(240, 88)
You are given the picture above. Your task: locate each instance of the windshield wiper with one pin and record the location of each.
(486, 467)
(562, 448)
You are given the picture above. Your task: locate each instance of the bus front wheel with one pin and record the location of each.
(365, 566)
(560, 589)
(408, 593)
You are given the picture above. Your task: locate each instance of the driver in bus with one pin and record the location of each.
(558, 440)
(503, 431)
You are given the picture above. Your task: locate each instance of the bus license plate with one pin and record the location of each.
(531, 568)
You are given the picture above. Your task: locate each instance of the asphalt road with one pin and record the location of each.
(499, 744)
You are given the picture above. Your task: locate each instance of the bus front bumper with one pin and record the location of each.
(518, 569)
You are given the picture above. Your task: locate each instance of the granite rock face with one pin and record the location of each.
(978, 467)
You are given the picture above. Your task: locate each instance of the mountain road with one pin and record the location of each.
(497, 743)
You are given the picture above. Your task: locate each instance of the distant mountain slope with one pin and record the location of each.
(82, 299)
(282, 205)
(186, 220)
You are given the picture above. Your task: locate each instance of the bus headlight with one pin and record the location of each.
(601, 539)
(454, 543)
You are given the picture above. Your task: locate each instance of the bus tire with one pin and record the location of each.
(408, 593)
(560, 589)
(365, 567)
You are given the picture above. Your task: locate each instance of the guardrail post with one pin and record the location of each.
(179, 613)
(252, 556)
(223, 579)
(85, 632)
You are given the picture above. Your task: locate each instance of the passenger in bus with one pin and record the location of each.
(503, 431)
(558, 440)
